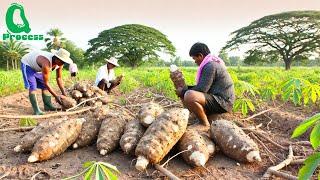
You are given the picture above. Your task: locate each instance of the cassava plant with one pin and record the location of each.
(99, 170)
(313, 161)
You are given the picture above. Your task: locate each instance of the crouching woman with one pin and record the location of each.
(214, 90)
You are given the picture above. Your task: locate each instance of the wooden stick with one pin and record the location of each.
(297, 161)
(260, 134)
(268, 139)
(46, 115)
(119, 106)
(271, 170)
(260, 113)
(283, 175)
(83, 103)
(17, 129)
(166, 172)
(264, 146)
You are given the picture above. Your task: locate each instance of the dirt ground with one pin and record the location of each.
(278, 124)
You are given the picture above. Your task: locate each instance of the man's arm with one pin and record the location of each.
(59, 80)
(46, 70)
(206, 79)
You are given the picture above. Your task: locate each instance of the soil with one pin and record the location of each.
(278, 124)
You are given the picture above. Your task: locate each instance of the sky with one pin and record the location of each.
(183, 21)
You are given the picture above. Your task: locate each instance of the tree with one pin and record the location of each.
(257, 57)
(224, 56)
(76, 53)
(133, 44)
(56, 40)
(286, 35)
(13, 51)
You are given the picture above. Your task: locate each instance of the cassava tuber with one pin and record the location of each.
(161, 136)
(149, 112)
(177, 77)
(57, 140)
(81, 86)
(110, 133)
(131, 136)
(199, 147)
(88, 133)
(28, 140)
(233, 142)
(68, 102)
(75, 94)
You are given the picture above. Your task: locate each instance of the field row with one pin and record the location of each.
(252, 84)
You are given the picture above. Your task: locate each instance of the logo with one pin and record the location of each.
(18, 31)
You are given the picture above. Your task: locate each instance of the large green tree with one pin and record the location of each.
(286, 35)
(55, 39)
(76, 53)
(133, 44)
(12, 52)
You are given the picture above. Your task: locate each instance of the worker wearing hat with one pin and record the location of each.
(36, 67)
(106, 79)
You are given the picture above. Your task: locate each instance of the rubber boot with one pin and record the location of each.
(34, 103)
(47, 103)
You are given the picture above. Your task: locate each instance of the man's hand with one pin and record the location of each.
(59, 99)
(179, 91)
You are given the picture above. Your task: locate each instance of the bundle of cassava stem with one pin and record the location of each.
(149, 112)
(177, 77)
(233, 141)
(56, 140)
(110, 133)
(161, 136)
(133, 132)
(90, 128)
(197, 145)
(27, 141)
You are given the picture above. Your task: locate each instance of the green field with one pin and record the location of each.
(253, 84)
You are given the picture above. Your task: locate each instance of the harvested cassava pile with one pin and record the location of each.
(131, 136)
(161, 136)
(28, 140)
(110, 133)
(149, 112)
(233, 142)
(177, 77)
(90, 128)
(91, 94)
(199, 147)
(57, 140)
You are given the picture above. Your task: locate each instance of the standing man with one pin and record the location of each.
(106, 79)
(36, 67)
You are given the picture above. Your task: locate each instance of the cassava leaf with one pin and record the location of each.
(302, 128)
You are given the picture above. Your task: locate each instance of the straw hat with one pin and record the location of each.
(63, 55)
(113, 61)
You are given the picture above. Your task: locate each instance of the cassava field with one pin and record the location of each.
(270, 104)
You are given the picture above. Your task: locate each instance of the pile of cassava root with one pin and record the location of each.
(150, 136)
(80, 92)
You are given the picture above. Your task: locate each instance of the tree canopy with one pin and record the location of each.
(132, 44)
(285, 36)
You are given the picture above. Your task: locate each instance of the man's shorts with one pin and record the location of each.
(212, 106)
(32, 79)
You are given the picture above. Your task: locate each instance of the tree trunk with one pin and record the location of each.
(12, 63)
(7, 65)
(287, 63)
